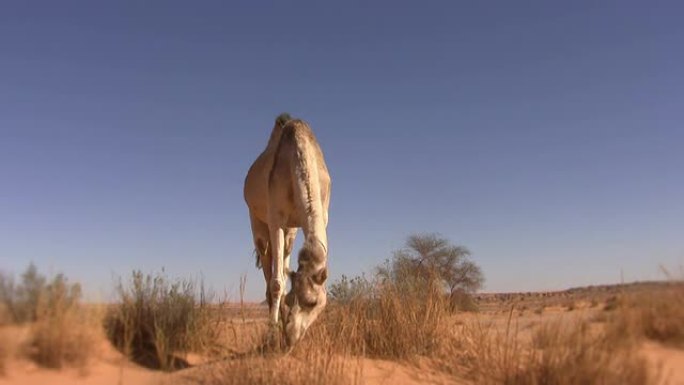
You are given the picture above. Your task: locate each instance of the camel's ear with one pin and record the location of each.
(293, 275)
(320, 277)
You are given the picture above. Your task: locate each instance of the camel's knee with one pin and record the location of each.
(277, 288)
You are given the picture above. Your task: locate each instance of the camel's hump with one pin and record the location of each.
(283, 118)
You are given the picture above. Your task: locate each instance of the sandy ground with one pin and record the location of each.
(112, 370)
(109, 367)
(375, 372)
(106, 373)
(391, 373)
(670, 360)
(101, 373)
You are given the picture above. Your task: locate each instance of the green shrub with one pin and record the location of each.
(345, 290)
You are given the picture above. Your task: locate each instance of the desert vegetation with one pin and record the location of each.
(427, 262)
(569, 352)
(656, 315)
(62, 331)
(156, 322)
(401, 314)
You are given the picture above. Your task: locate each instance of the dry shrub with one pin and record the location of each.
(404, 324)
(612, 303)
(61, 333)
(385, 322)
(570, 305)
(559, 354)
(319, 359)
(157, 322)
(546, 335)
(388, 322)
(20, 301)
(599, 317)
(64, 333)
(463, 301)
(657, 314)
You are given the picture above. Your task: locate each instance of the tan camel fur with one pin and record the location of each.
(288, 187)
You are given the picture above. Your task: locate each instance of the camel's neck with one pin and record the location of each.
(318, 234)
(316, 238)
(316, 256)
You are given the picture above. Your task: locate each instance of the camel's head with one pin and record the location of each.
(306, 300)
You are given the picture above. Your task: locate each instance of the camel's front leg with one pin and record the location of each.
(278, 278)
(290, 235)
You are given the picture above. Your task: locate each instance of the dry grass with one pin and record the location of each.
(64, 332)
(416, 327)
(66, 337)
(324, 369)
(318, 361)
(321, 358)
(20, 300)
(387, 323)
(558, 354)
(656, 315)
(157, 322)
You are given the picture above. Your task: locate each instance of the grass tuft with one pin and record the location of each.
(657, 315)
(157, 322)
(62, 334)
(559, 354)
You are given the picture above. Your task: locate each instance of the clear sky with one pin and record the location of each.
(547, 137)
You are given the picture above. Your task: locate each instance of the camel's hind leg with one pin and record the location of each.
(262, 246)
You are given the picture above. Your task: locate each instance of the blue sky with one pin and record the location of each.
(546, 138)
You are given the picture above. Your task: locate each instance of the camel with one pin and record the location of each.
(286, 188)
